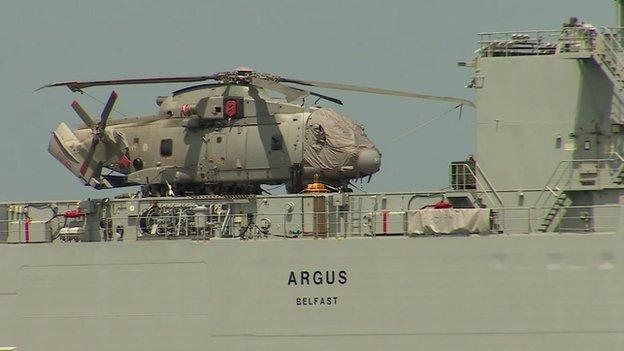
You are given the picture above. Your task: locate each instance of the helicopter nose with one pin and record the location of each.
(369, 161)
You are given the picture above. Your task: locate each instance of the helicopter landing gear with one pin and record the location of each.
(155, 190)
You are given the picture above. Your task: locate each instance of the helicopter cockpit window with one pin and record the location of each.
(166, 147)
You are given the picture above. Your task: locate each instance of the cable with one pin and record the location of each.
(357, 187)
(426, 123)
(101, 102)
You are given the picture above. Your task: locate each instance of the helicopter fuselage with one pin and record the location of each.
(223, 139)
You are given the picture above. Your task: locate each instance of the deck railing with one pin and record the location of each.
(320, 224)
(544, 42)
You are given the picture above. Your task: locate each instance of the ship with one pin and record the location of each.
(523, 250)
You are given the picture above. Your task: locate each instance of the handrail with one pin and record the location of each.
(619, 158)
(569, 178)
(617, 155)
(612, 52)
(513, 219)
(552, 191)
(533, 31)
(607, 30)
(606, 40)
(482, 172)
(550, 179)
(541, 42)
(479, 183)
(225, 221)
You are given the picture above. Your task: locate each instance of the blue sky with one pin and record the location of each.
(404, 45)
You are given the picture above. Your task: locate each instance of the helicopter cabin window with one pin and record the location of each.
(276, 142)
(166, 147)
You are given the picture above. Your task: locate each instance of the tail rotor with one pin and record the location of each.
(91, 168)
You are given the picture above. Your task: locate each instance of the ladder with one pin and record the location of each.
(553, 211)
(619, 175)
(554, 195)
(609, 55)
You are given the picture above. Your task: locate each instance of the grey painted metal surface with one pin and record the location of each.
(543, 292)
(350, 276)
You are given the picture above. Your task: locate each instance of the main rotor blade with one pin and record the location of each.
(371, 90)
(291, 93)
(83, 115)
(78, 85)
(328, 98)
(107, 110)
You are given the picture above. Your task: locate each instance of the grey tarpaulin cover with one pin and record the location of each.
(449, 221)
(333, 140)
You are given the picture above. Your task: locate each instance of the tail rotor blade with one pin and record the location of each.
(83, 115)
(107, 110)
(88, 170)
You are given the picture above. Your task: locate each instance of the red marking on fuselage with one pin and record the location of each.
(230, 108)
(124, 161)
(83, 168)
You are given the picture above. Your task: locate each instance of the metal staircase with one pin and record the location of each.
(552, 213)
(609, 54)
(554, 196)
(618, 177)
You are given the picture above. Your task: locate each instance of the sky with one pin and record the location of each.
(402, 45)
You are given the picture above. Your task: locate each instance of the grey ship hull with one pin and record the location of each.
(516, 292)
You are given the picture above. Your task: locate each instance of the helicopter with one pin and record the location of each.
(224, 137)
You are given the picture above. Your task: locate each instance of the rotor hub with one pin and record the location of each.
(243, 75)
